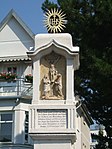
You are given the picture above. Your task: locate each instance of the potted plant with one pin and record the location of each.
(8, 76)
(29, 78)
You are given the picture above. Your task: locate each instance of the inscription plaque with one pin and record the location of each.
(50, 118)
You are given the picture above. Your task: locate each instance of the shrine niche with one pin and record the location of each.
(52, 76)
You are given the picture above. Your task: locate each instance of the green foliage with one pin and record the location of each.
(8, 76)
(29, 78)
(101, 139)
(47, 5)
(90, 24)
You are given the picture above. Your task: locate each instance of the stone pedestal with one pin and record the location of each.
(52, 126)
(52, 113)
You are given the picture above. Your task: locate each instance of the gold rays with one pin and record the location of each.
(54, 20)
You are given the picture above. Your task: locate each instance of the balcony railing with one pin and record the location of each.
(15, 88)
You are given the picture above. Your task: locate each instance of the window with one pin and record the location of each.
(12, 69)
(6, 127)
(26, 126)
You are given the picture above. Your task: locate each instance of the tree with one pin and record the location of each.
(100, 139)
(90, 24)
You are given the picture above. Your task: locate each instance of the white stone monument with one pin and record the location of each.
(52, 112)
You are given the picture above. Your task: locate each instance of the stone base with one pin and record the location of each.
(52, 145)
(52, 126)
(53, 141)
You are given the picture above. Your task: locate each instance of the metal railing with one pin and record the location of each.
(17, 87)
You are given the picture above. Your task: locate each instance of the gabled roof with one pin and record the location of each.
(11, 14)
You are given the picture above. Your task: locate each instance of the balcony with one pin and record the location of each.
(16, 88)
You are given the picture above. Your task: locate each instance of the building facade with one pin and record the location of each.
(32, 114)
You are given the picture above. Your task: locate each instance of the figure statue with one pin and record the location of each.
(53, 73)
(58, 86)
(47, 88)
(52, 84)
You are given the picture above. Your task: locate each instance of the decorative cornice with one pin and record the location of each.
(53, 42)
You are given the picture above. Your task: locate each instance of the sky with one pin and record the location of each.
(28, 10)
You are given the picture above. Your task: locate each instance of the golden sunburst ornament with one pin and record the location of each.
(55, 20)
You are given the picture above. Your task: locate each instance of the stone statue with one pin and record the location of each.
(46, 83)
(58, 86)
(53, 73)
(52, 84)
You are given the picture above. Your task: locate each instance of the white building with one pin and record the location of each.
(23, 53)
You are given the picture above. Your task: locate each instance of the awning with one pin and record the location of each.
(14, 58)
